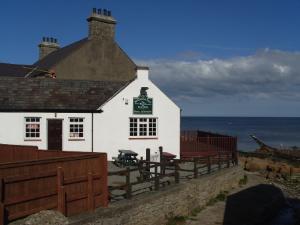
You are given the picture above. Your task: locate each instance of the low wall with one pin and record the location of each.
(157, 207)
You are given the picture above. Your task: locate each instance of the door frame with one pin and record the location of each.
(62, 132)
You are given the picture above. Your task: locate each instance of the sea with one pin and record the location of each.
(279, 132)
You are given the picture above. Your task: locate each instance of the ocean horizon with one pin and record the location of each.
(279, 132)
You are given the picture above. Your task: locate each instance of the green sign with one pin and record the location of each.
(142, 104)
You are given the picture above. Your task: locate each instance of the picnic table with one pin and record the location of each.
(126, 158)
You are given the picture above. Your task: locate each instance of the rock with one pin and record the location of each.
(45, 217)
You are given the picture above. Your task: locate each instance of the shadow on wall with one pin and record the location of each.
(254, 205)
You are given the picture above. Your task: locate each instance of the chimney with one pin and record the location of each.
(142, 72)
(101, 25)
(48, 45)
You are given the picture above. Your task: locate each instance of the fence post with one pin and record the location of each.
(90, 192)
(2, 209)
(128, 185)
(195, 168)
(148, 162)
(228, 160)
(208, 164)
(156, 181)
(61, 192)
(219, 161)
(162, 161)
(176, 173)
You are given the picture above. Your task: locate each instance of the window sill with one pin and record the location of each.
(143, 138)
(76, 139)
(32, 139)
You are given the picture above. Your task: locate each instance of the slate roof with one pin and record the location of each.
(58, 55)
(51, 95)
(14, 70)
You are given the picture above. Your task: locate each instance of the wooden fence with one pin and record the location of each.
(199, 143)
(71, 182)
(155, 171)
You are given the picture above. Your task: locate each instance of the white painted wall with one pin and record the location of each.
(12, 130)
(111, 127)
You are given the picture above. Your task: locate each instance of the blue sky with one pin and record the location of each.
(214, 48)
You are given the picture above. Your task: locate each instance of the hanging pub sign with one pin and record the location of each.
(142, 104)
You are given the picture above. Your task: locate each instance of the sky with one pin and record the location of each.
(213, 58)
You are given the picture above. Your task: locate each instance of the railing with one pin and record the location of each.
(153, 173)
(199, 143)
(70, 183)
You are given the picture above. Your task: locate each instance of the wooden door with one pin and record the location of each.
(54, 134)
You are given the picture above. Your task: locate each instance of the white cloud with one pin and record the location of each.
(266, 74)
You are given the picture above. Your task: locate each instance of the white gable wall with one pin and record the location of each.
(111, 127)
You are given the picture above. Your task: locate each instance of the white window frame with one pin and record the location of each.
(139, 127)
(32, 123)
(76, 123)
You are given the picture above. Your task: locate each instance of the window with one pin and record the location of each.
(32, 128)
(76, 128)
(143, 127)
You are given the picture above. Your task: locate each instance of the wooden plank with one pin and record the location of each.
(76, 197)
(31, 197)
(2, 185)
(91, 203)
(22, 178)
(28, 212)
(2, 219)
(75, 180)
(61, 196)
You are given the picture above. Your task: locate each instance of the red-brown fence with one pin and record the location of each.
(71, 182)
(199, 144)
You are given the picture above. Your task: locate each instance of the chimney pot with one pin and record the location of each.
(48, 45)
(101, 25)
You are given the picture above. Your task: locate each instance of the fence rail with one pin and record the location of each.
(70, 182)
(155, 171)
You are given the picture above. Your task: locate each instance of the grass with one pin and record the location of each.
(176, 220)
(243, 180)
(219, 198)
(196, 210)
(179, 220)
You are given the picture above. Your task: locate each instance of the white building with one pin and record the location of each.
(92, 116)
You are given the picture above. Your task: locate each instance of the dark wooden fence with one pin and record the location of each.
(199, 143)
(154, 172)
(32, 180)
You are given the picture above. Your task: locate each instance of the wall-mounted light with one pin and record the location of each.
(125, 100)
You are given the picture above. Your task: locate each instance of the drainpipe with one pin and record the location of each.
(92, 132)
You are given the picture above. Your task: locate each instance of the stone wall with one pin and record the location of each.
(157, 207)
